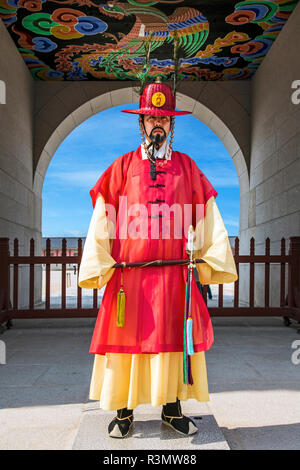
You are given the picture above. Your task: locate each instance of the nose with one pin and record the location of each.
(158, 121)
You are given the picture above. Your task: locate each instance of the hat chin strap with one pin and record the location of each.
(141, 121)
(143, 133)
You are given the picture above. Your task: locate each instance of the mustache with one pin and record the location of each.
(157, 128)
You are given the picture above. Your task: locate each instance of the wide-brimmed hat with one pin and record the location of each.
(157, 99)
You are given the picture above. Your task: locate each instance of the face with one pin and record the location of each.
(157, 125)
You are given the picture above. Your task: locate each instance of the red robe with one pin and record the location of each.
(155, 296)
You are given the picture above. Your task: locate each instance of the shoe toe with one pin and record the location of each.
(184, 426)
(187, 426)
(119, 428)
(116, 431)
(192, 428)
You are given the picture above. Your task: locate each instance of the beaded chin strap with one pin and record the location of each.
(172, 126)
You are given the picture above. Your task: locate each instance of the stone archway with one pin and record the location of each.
(212, 103)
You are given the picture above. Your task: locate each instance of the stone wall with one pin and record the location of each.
(274, 202)
(17, 200)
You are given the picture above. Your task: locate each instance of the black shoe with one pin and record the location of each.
(121, 424)
(172, 416)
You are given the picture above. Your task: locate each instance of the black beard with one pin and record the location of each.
(157, 139)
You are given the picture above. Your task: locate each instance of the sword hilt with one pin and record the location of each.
(190, 248)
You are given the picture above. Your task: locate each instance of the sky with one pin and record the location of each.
(92, 146)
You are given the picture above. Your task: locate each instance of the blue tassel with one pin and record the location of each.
(189, 333)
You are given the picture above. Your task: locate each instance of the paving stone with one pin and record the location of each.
(148, 433)
(32, 396)
(253, 390)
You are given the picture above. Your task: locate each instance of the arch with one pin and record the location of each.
(211, 103)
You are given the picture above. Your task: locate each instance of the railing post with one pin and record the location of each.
(251, 272)
(4, 278)
(236, 284)
(294, 273)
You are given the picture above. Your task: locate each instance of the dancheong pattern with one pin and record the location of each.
(97, 40)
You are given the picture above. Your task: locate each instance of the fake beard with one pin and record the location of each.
(157, 138)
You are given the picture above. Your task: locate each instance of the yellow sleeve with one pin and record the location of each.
(212, 245)
(96, 262)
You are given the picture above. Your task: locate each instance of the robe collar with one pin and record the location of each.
(160, 153)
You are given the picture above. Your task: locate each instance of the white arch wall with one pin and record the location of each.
(223, 107)
(275, 137)
(17, 199)
(274, 202)
(212, 103)
(16, 142)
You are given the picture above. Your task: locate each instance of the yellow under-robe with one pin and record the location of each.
(127, 380)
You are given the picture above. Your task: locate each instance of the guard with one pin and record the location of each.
(155, 236)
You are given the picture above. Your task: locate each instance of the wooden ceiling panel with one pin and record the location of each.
(94, 40)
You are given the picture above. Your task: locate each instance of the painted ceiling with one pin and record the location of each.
(98, 40)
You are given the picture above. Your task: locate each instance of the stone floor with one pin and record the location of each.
(254, 390)
(148, 432)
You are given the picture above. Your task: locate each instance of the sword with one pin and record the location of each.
(158, 262)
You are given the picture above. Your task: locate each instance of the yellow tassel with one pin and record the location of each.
(121, 308)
